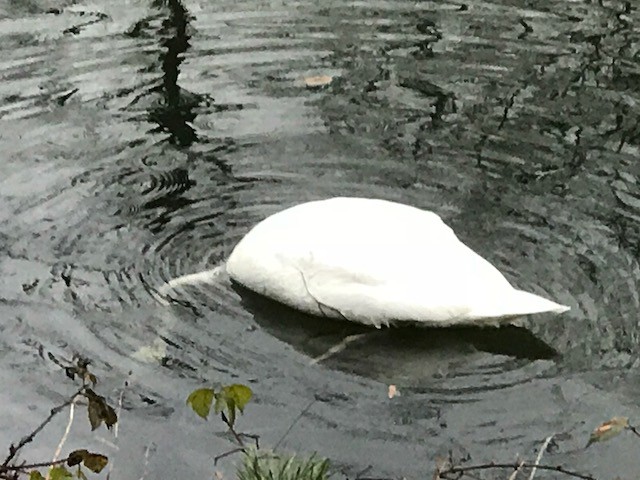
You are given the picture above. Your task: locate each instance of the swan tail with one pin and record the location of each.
(208, 276)
(530, 303)
(520, 303)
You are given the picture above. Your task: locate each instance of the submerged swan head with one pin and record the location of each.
(376, 262)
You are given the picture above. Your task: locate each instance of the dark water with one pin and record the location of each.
(141, 139)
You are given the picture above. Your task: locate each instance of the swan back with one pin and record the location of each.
(375, 262)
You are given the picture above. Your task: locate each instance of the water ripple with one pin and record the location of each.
(142, 142)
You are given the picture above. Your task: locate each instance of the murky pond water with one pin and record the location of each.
(141, 139)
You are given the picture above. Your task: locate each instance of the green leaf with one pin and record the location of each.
(608, 430)
(231, 398)
(35, 475)
(95, 462)
(241, 394)
(269, 465)
(59, 473)
(200, 401)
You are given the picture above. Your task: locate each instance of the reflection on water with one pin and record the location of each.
(141, 140)
(394, 355)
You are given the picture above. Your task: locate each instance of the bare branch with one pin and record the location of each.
(633, 430)
(147, 451)
(295, 420)
(14, 449)
(338, 347)
(64, 435)
(451, 471)
(226, 454)
(543, 448)
(30, 466)
(232, 430)
(516, 471)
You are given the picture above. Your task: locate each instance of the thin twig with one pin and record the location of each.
(145, 470)
(64, 435)
(296, 420)
(31, 466)
(377, 478)
(120, 401)
(634, 430)
(543, 448)
(255, 438)
(487, 466)
(232, 430)
(338, 347)
(364, 471)
(226, 454)
(14, 449)
(117, 425)
(516, 471)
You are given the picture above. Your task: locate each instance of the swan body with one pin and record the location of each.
(375, 262)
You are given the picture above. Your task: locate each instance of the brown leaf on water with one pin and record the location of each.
(608, 430)
(317, 81)
(95, 415)
(76, 457)
(99, 410)
(110, 416)
(95, 462)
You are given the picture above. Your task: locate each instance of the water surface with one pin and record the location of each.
(141, 140)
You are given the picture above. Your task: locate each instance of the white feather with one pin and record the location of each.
(375, 262)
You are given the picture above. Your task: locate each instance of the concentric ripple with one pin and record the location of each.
(142, 140)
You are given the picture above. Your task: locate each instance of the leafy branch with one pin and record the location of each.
(14, 449)
(99, 411)
(602, 433)
(228, 401)
(257, 464)
(454, 472)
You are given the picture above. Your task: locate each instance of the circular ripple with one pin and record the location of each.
(155, 170)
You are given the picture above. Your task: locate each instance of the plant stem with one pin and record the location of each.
(634, 430)
(232, 430)
(14, 449)
(30, 466)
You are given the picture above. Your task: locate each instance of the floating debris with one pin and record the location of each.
(393, 391)
(318, 81)
(608, 430)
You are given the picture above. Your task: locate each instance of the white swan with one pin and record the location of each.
(375, 262)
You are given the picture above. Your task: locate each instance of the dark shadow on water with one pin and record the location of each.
(398, 349)
(175, 112)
